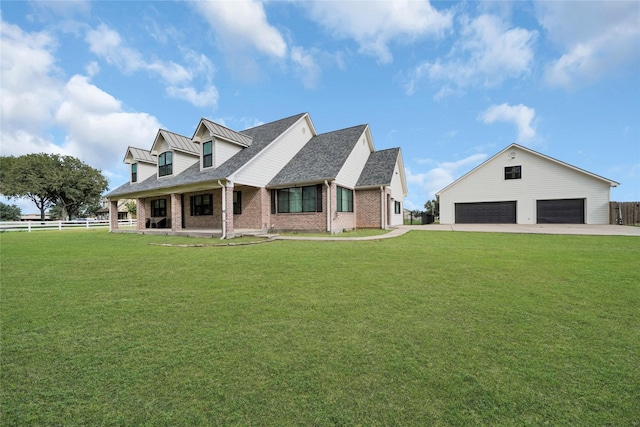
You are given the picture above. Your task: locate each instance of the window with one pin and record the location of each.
(159, 207)
(134, 172)
(298, 199)
(207, 154)
(201, 205)
(512, 172)
(237, 202)
(165, 164)
(398, 207)
(345, 200)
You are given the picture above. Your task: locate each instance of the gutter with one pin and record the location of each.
(224, 210)
(328, 206)
(383, 223)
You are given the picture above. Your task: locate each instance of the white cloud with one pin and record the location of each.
(208, 97)
(29, 90)
(241, 24)
(107, 43)
(374, 25)
(426, 184)
(599, 37)
(36, 101)
(520, 115)
(98, 130)
(306, 66)
(487, 52)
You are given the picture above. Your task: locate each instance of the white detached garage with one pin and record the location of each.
(522, 186)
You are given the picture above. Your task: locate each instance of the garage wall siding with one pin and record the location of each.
(542, 179)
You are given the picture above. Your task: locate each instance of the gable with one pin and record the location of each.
(169, 141)
(207, 130)
(136, 155)
(539, 172)
(352, 168)
(321, 158)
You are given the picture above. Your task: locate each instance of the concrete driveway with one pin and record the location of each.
(587, 229)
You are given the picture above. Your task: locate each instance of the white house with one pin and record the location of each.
(519, 185)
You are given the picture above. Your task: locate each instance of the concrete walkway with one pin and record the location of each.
(586, 229)
(579, 229)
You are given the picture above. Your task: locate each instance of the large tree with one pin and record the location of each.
(51, 179)
(433, 206)
(33, 176)
(9, 212)
(80, 187)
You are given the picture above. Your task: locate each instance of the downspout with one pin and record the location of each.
(383, 223)
(328, 206)
(224, 210)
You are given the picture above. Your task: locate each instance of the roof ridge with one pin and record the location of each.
(274, 121)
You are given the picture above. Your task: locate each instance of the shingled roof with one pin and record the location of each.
(261, 136)
(321, 158)
(379, 168)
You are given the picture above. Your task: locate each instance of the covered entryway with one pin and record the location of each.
(561, 211)
(486, 213)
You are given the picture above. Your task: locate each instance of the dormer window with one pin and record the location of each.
(207, 154)
(134, 172)
(165, 163)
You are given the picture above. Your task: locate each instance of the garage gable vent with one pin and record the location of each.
(512, 154)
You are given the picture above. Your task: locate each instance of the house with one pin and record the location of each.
(277, 176)
(521, 186)
(102, 214)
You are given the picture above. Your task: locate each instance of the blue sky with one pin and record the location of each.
(452, 83)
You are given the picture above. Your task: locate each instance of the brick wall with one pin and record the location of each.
(113, 215)
(304, 221)
(141, 212)
(176, 212)
(368, 202)
(229, 211)
(252, 205)
(213, 221)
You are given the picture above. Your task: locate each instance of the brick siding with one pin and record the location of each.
(368, 208)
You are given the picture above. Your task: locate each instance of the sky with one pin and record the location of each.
(451, 83)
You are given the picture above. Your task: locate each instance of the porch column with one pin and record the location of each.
(113, 215)
(228, 188)
(176, 212)
(141, 213)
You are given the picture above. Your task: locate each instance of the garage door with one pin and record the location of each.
(486, 213)
(564, 211)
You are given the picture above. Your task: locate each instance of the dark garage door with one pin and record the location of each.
(563, 211)
(486, 213)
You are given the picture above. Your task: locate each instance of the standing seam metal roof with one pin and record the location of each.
(141, 155)
(226, 133)
(180, 142)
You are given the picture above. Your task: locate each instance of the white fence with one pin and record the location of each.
(61, 225)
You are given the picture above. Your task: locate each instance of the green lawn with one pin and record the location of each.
(431, 328)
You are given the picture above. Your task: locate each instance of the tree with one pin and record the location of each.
(132, 208)
(433, 207)
(9, 212)
(51, 179)
(80, 187)
(33, 176)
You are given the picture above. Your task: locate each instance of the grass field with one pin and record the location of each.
(431, 328)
